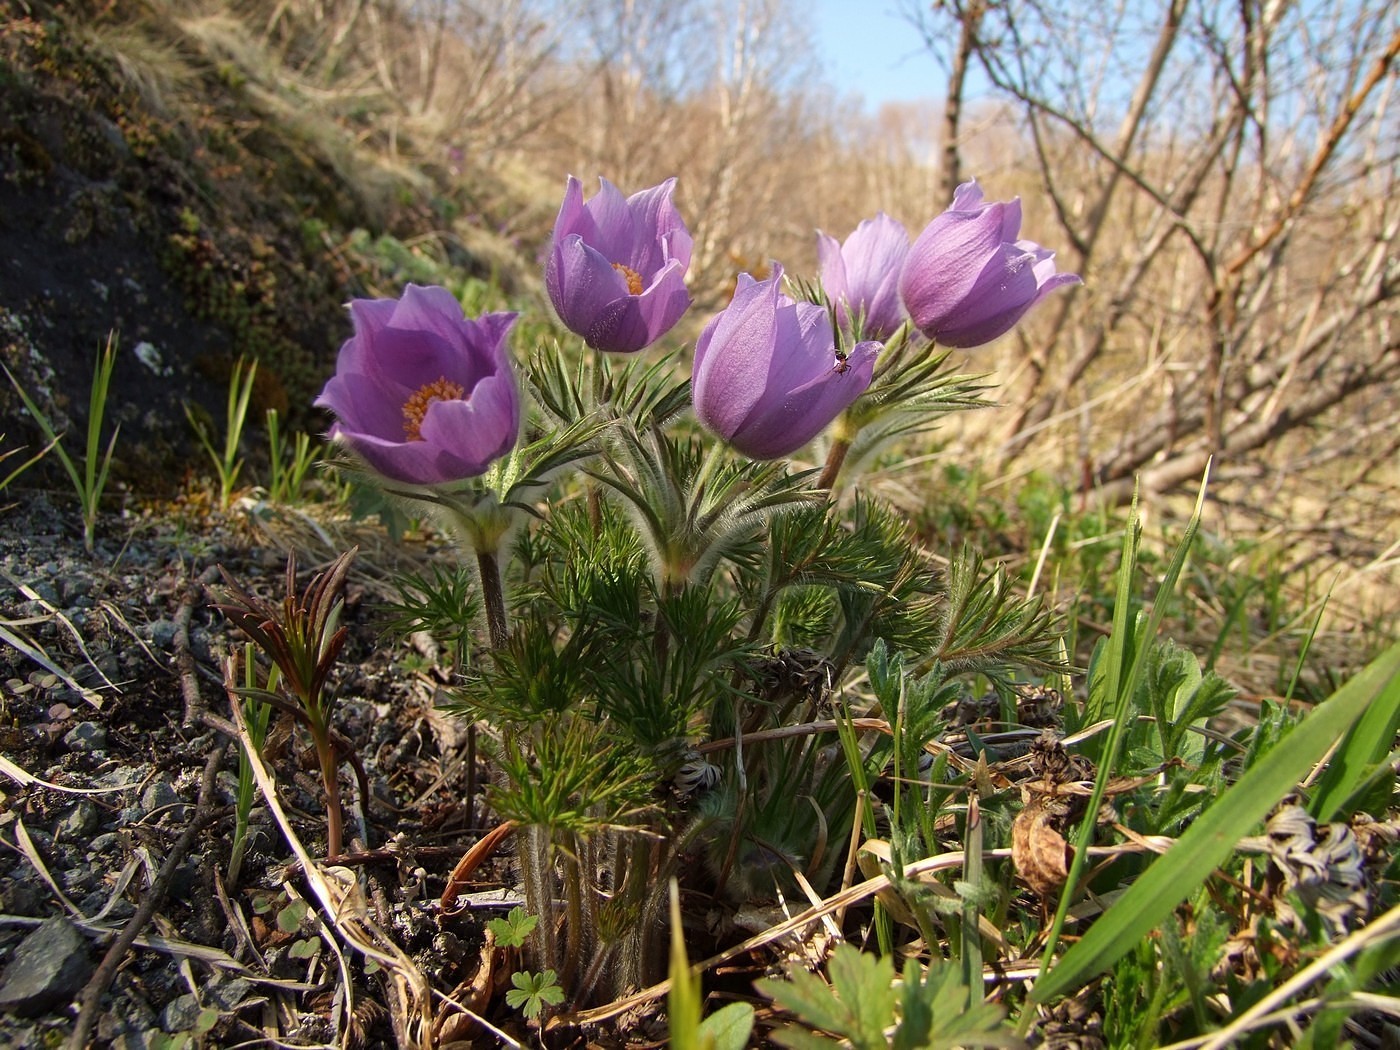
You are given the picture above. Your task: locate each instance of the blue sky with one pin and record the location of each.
(870, 49)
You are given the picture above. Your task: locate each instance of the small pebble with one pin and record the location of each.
(162, 634)
(161, 796)
(86, 736)
(180, 1014)
(47, 970)
(79, 822)
(227, 994)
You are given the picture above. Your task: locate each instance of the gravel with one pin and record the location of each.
(99, 716)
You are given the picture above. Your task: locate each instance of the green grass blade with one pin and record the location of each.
(5, 481)
(1362, 751)
(99, 484)
(1122, 630)
(1208, 841)
(1169, 580)
(276, 484)
(1307, 642)
(240, 392)
(239, 395)
(97, 408)
(55, 440)
(683, 1000)
(202, 432)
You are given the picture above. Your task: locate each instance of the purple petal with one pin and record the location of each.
(572, 217)
(614, 229)
(412, 462)
(634, 322)
(832, 268)
(401, 346)
(1002, 294)
(730, 379)
(968, 277)
(801, 414)
(946, 261)
(645, 234)
(1045, 274)
(667, 300)
(1005, 293)
(765, 376)
(967, 197)
(677, 243)
(874, 257)
(407, 359)
(405, 344)
(428, 309)
(475, 431)
(364, 406)
(368, 316)
(581, 282)
(658, 233)
(493, 331)
(1011, 220)
(808, 346)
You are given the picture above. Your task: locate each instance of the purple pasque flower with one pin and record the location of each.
(616, 269)
(967, 278)
(422, 394)
(767, 377)
(862, 276)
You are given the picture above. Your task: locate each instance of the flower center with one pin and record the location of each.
(416, 407)
(631, 276)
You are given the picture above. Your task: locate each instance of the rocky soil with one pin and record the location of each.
(116, 799)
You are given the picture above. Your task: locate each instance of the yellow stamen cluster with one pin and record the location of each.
(631, 276)
(416, 407)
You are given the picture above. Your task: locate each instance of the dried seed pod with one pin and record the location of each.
(1040, 853)
(1039, 706)
(1052, 763)
(1324, 866)
(697, 774)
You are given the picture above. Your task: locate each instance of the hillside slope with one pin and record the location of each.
(158, 184)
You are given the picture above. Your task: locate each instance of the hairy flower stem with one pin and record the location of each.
(638, 951)
(595, 506)
(661, 630)
(834, 461)
(573, 916)
(493, 596)
(536, 858)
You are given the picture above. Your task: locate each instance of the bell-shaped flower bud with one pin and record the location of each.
(861, 276)
(968, 279)
(768, 375)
